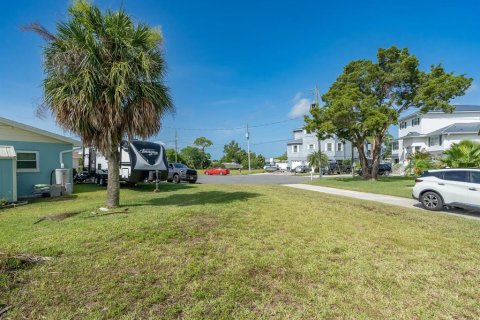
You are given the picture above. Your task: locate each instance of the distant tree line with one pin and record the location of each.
(196, 156)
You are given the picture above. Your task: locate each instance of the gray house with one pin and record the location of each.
(304, 143)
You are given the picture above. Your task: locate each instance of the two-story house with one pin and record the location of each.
(304, 143)
(435, 131)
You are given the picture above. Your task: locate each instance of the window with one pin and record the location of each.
(329, 146)
(339, 146)
(27, 161)
(456, 175)
(311, 146)
(294, 148)
(395, 145)
(415, 122)
(475, 176)
(438, 174)
(403, 125)
(435, 141)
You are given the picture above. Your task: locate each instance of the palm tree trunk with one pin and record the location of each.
(113, 187)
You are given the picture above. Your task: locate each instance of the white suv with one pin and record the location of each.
(448, 187)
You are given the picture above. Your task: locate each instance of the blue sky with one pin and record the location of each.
(236, 62)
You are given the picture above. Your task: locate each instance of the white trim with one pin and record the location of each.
(37, 158)
(40, 131)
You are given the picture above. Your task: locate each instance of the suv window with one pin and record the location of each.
(437, 174)
(475, 175)
(460, 176)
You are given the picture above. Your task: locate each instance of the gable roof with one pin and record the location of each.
(41, 132)
(458, 108)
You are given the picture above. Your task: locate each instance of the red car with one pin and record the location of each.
(220, 171)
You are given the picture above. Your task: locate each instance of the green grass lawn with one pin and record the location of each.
(394, 186)
(236, 251)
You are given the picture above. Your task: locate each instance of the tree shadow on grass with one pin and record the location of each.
(197, 198)
(162, 187)
(141, 187)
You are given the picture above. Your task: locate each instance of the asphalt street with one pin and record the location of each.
(261, 178)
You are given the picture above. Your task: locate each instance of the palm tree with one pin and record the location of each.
(314, 159)
(104, 81)
(465, 154)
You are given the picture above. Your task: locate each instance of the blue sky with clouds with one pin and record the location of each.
(236, 62)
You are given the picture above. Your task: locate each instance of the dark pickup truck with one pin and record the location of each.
(178, 172)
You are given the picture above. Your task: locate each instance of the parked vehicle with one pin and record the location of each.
(448, 187)
(271, 169)
(218, 170)
(384, 169)
(302, 169)
(138, 160)
(233, 166)
(178, 172)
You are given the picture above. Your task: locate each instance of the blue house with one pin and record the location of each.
(32, 154)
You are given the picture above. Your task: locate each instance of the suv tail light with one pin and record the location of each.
(418, 180)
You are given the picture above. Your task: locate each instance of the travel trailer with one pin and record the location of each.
(139, 161)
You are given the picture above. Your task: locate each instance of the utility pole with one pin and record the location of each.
(317, 104)
(247, 135)
(176, 146)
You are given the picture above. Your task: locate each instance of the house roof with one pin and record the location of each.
(298, 141)
(52, 135)
(7, 152)
(472, 127)
(413, 134)
(458, 108)
(297, 129)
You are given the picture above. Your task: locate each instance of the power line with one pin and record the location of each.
(234, 128)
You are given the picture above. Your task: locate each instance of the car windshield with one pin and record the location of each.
(180, 166)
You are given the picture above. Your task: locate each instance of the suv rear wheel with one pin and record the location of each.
(176, 178)
(432, 201)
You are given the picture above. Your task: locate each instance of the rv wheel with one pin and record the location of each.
(176, 178)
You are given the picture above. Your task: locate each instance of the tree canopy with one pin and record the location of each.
(370, 96)
(104, 80)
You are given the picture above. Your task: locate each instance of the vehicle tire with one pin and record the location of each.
(192, 182)
(176, 178)
(431, 201)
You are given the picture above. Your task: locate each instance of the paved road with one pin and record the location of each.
(261, 178)
(392, 200)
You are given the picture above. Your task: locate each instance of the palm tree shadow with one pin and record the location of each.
(198, 198)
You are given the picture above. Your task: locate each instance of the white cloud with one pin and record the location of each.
(301, 106)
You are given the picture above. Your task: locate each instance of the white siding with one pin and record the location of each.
(11, 133)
